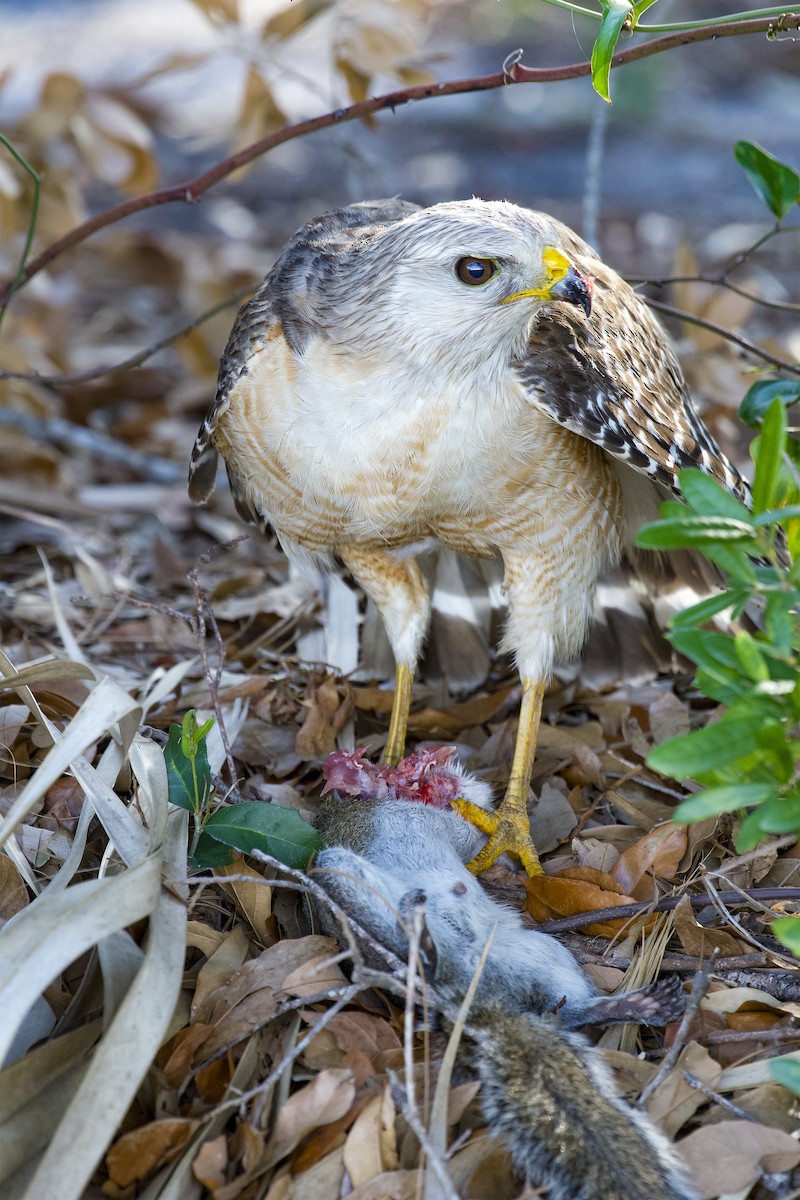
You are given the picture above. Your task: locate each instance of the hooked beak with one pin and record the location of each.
(564, 282)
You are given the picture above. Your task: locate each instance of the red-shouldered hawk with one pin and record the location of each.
(469, 374)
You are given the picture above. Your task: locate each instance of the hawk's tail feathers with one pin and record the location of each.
(203, 466)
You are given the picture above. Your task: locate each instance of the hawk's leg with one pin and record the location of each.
(401, 597)
(509, 825)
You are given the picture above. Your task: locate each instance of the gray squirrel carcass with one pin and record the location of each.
(394, 843)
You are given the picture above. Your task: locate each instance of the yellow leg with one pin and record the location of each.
(398, 723)
(509, 827)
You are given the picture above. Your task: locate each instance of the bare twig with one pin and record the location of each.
(718, 281)
(777, 1036)
(727, 334)
(623, 911)
(720, 901)
(203, 607)
(134, 360)
(433, 1159)
(722, 1101)
(189, 191)
(699, 988)
(255, 1093)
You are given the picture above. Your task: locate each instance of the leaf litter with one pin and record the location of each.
(172, 1034)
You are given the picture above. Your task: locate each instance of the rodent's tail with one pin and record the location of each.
(552, 1099)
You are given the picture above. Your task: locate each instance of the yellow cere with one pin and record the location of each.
(556, 265)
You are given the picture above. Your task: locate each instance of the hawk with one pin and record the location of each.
(470, 374)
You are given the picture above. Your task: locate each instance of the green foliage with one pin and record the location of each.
(280, 832)
(775, 184)
(787, 1070)
(746, 761)
(615, 14)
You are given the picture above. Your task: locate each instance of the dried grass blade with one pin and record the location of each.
(125, 1053)
(106, 705)
(48, 935)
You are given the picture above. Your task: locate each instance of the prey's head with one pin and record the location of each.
(468, 277)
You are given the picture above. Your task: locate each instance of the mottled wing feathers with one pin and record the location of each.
(613, 378)
(274, 311)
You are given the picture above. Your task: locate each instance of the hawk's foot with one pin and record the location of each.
(509, 832)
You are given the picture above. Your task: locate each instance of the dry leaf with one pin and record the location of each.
(657, 853)
(142, 1151)
(675, 1101)
(730, 1156)
(326, 1099)
(210, 1163)
(699, 941)
(371, 1145)
(254, 899)
(576, 890)
(13, 892)
(552, 819)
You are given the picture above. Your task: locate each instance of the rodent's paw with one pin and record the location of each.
(657, 1003)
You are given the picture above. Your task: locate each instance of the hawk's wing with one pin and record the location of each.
(276, 311)
(613, 379)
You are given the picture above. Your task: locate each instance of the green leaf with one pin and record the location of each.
(733, 560)
(709, 498)
(787, 930)
(641, 6)
(281, 832)
(752, 660)
(208, 853)
(772, 516)
(727, 798)
(677, 533)
(787, 1070)
(759, 397)
(707, 648)
(615, 14)
(189, 781)
(775, 184)
(702, 612)
(704, 749)
(769, 457)
(781, 814)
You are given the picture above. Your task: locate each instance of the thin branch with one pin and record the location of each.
(623, 911)
(135, 360)
(717, 281)
(699, 988)
(191, 190)
(727, 334)
(722, 1101)
(595, 15)
(20, 277)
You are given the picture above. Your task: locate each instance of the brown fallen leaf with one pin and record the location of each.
(325, 1099)
(13, 892)
(657, 853)
(576, 890)
(730, 1156)
(210, 1163)
(328, 710)
(253, 900)
(675, 1101)
(699, 941)
(371, 1145)
(142, 1151)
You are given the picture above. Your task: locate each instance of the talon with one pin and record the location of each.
(508, 827)
(509, 833)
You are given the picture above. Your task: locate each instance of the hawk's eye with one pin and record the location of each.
(474, 271)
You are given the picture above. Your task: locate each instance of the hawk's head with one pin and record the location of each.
(465, 278)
